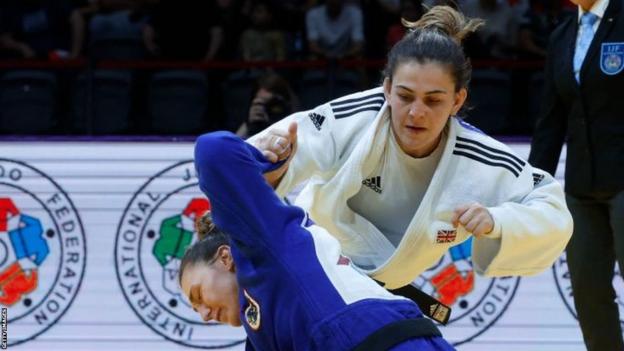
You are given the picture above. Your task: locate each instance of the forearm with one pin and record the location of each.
(8, 42)
(230, 173)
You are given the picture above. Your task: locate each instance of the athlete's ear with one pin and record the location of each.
(224, 257)
(460, 98)
(387, 87)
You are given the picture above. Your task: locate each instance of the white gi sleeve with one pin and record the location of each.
(534, 229)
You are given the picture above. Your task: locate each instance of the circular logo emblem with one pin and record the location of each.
(157, 227)
(564, 286)
(477, 302)
(42, 250)
(612, 63)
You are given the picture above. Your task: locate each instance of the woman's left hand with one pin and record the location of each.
(475, 218)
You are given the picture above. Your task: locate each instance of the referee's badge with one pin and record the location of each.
(252, 312)
(612, 58)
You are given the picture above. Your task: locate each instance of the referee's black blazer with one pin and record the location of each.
(589, 117)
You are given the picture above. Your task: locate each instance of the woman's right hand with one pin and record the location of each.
(278, 145)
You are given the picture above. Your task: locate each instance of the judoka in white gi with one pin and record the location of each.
(398, 178)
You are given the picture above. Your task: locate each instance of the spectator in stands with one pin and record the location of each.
(115, 18)
(452, 3)
(262, 42)
(497, 39)
(229, 15)
(290, 15)
(273, 100)
(183, 30)
(335, 30)
(411, 10)
(107, 19)
(37, 29)
(536, 25)
(378, 16)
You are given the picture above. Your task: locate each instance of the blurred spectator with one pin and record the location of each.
(410, 10)
(497, 38)
(335, 30)
(290, 14)
(37, 29)
(537, 23)
(183, 30)
(262, 42)
(379, 15)
(273, 100)
(107, 19)
(452, 3)
(115, 18)
(229, 15)
(391, 6)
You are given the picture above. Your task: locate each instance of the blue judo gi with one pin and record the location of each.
(296, 290)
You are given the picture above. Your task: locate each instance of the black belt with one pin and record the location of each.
(428, 305)
(397, 332)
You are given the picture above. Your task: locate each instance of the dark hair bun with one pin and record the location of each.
(204, 225)
(446, 20)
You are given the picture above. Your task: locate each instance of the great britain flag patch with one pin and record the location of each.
(446, 236)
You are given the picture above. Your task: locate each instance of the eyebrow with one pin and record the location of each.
(437, 91)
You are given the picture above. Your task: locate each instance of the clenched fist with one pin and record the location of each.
(475, 218)
(277, 145)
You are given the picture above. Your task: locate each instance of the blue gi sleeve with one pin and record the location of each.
(243, 204)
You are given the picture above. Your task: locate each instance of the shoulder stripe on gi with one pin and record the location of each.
(491, 152)
(487, 162)
(474, 142)
(353, 107)
(352, 112)
(346, 108)
(480, 152)
(362, 98)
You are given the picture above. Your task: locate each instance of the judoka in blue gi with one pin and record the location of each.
(266, 266)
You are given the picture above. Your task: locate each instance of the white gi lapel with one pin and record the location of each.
(419, 248)
(361, 240)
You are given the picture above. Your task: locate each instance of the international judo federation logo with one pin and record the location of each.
(564, 286)
(155, 230)
(42, 250)
(477, 302)
(612, 58)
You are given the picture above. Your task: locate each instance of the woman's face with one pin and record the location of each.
(421, 99)
(213, 289)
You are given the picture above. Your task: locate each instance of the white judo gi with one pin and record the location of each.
(340, 143)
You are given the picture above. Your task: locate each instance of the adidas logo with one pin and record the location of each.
(537, 178)
(374, 183)
(317, 120)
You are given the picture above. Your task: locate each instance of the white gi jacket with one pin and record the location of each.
(340, 144)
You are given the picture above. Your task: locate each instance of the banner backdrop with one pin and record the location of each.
(91, 234)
